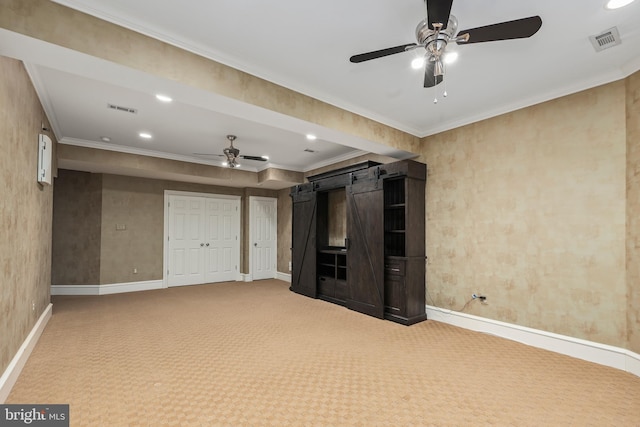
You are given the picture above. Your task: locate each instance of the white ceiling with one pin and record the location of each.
(306, 46)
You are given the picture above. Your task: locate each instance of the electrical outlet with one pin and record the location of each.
(289, 265)
(33, 306)
(135, 271)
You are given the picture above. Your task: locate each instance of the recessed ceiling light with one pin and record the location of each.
(615, 4)
(311, 137)
(417, 63)
(105, 139)
(145, 135)
(164, 98)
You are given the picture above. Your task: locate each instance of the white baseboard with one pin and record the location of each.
(246, 277)
(11, 374)
(115, 288)
(118, 288)
(633, 363)
(286, 277)
(75, 290)
(602, 354)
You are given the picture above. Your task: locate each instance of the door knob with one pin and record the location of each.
(207, 244)
(255, 244)
(201, 244)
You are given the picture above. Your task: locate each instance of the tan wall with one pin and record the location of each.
(360, 159)
(337, 217)
(25, 212)
(528, 208)
(633, 211)
(138, 204)
(77, 212)
(285, 207)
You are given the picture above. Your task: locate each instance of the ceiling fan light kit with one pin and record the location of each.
(439, 28)
(616, 4)
(233, 154)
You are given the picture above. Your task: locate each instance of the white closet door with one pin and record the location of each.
(222, 240)
(264, 221)
(186, 241)
(203, 239)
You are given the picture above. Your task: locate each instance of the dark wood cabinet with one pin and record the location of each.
(404, 248)
(332, 274)
(380, 270)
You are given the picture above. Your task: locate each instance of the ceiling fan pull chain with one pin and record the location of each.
(435, 98)
(445, 88)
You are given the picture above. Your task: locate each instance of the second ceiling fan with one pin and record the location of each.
(440, 27)
(233, 154)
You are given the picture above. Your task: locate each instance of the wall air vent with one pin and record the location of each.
(606, 39)
(308, 150)
(121, 108)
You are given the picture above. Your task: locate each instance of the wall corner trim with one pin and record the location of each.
(11, 374)
(285, 277)
(602, 354)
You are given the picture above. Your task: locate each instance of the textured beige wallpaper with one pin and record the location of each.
(284, 230)
(633, 211)
(360, 159)
(337, 217)
(528, 209)
(25, 212)
(138, 205)
(77, 212)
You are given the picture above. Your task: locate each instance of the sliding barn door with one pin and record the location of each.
(365, 250)
(303, 250)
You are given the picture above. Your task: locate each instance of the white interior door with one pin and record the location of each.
(186, 241)
(222, 241)
(202, 233)
(263, 236)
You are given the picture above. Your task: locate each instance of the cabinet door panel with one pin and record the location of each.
(365, 252)
(303, 256)
(395, 295)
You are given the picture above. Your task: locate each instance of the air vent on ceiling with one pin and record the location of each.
(121, 108)
(308, 150)
(606, 39)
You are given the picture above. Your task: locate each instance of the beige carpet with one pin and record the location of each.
(258, 354)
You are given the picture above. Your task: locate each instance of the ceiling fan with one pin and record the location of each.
(439, 28)
(233, 154)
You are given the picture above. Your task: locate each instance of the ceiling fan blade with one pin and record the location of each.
(429, 79)
(208, 154)
(438, 11)
(258, 158)
(379, 53)
(518, 29)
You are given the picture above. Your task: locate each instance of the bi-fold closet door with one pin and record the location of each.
(202, 241)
